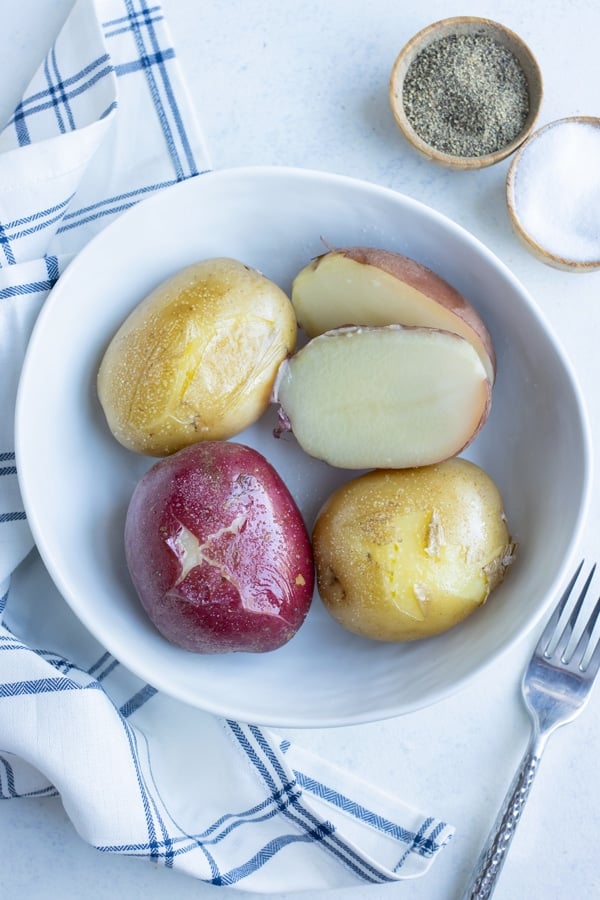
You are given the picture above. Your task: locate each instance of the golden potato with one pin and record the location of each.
(196, 360)
(407, 554)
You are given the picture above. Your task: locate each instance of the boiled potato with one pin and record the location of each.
(390, 397)
(372, 286)
(407, 554)
(197, 358)
(218, 551)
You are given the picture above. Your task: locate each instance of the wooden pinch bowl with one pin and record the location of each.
(556, 256)
(460, 25)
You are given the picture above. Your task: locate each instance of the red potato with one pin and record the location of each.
(371, 286)
(218, 551)
(390, 397)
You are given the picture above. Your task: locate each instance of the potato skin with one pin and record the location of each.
(218, 551)
(196, 359)
(407, 554)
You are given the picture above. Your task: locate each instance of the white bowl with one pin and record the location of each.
(77, 480)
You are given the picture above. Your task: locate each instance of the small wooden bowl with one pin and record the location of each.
(519, 222)
(465, 25)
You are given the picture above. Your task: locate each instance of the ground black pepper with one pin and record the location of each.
(466, 95)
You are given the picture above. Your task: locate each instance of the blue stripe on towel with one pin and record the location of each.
(43, 686)
(153, 58)
(69, 89)
(137, 701)
(424, 846)
(269, 767)
(16, 516)
(7, 777)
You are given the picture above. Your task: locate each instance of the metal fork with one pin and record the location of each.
(556, 686)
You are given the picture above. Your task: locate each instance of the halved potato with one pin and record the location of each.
(389, 397)
(369, 286)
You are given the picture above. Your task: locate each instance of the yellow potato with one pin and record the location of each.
(407, 554)
(196, 360)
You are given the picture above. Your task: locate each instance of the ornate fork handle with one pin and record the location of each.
(493, 855)
(556, 686)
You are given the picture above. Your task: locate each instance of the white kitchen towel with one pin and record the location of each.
(105, 122)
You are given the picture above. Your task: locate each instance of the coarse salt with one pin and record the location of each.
(557, 190)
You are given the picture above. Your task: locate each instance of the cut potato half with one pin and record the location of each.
(389, 397)
(368, 286)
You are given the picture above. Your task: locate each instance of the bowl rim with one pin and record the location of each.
(556, 260)
(426, 36)
(440, 692)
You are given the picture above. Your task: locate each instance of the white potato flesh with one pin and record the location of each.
(389, 397)
(369, 286)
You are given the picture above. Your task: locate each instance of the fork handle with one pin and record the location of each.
(489, 865)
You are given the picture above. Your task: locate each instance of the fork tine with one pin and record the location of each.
(555, 691)
(563, 642)
(593, 664)
(548, 632)
(583, 644)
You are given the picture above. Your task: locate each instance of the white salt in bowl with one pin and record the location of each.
(465, 25)
(553, 194)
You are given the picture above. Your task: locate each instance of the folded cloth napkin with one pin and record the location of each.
(105, 122)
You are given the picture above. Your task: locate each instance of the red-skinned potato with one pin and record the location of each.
(388, 397)
(218, 551)
(371, 286)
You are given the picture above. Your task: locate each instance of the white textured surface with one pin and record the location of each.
(306, 85)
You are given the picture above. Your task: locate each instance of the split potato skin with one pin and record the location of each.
(218, 551)
(197, 358)
(372, 286)
(407, 554)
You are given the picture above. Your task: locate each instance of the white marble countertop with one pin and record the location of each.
(305, 84)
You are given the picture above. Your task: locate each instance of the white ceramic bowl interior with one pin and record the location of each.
(77, 480)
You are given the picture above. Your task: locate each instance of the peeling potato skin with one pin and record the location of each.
(407, 554)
